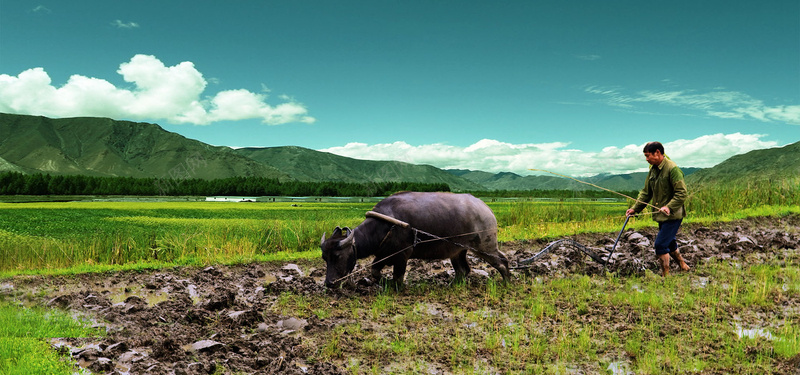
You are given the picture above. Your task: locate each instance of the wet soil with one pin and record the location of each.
(202, 320)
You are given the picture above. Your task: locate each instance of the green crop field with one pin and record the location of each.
(53, 235)
(58, 235)
(63, 235)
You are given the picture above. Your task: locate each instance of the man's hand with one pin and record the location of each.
(665, 210)
(630, 212)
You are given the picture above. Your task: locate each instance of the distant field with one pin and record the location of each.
(65, 234)
(54, 235)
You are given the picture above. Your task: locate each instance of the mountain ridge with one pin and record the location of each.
(106, 147)
(310, 165)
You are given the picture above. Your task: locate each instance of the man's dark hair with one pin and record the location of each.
(651, 147)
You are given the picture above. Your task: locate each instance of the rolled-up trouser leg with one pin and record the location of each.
(665, 240)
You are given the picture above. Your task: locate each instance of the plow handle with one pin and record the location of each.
(615, 242)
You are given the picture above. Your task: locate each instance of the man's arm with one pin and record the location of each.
(679, 189)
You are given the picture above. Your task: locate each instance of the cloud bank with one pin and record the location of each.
(721, 104)
(124, 25)
(494, 156)
(171, 93)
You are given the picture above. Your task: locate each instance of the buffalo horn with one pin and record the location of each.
(349, 239)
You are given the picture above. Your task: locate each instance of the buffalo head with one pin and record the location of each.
(339, 254)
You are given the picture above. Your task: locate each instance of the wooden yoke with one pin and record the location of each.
(387, 218)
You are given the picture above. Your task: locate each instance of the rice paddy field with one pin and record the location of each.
(58, 235)
(564, 323)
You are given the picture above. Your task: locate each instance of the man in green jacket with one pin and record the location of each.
(666, 189)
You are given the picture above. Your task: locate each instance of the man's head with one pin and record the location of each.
(654, 153)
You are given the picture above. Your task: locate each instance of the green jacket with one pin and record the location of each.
(664, 186)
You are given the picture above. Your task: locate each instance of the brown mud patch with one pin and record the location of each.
(202, 320)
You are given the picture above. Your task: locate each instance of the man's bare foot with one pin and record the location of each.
(679, 258)
(664, 260)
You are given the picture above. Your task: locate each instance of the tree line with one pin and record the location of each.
(15, 183)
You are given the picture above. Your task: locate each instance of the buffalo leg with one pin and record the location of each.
(497, 260)
(460, 265)
(485, 247)
(399, 273)
(375, 270)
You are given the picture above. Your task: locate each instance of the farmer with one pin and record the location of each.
(666, 189)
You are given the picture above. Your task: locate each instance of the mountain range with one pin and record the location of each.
(105, 147)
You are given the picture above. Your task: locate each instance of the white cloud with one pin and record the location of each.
(494, 156)
(171, 93)
(124, 25)
(720, 103)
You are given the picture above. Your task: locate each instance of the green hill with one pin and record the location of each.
(309, 165)
(513, 181)
(773, 163)
(104, 147)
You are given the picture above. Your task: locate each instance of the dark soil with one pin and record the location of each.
(194, 320)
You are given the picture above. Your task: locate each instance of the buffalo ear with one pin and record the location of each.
(336, 232)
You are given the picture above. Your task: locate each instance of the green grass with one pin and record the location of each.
(23, 349)
(26, 356)
(40, 323)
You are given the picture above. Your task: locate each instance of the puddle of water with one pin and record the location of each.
(152, 297)
(122, 369)
(82, 364)
(619, 368)
(700, 282)
(269, 279)
(753, 333)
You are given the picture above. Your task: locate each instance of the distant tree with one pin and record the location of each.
(13, 183)
(36, 185)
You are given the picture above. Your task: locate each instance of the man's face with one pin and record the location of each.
(654, 158)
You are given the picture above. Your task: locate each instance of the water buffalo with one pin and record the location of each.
(419, 226)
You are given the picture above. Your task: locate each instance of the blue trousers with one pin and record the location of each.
(665, 240)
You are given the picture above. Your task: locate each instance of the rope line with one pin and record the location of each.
(593, 185)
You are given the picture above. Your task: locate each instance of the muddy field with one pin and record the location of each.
(194, 320)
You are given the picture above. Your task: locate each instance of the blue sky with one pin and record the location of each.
(575, 87)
